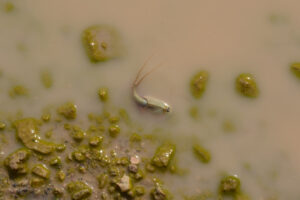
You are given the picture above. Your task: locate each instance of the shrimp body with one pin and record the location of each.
(151, 102)
(157, 104)
(139, 99)
(148, 101)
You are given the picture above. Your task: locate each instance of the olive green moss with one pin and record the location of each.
(103, 94)
(295, 69)
(159, 192)
(102, 180)
(101, 43)
(163, 155)
(79, 190)
(37, 182)
(41, 171)
(78, 156)
(57, 192)
(230, 185)
(2, 125)
(114, 119)
(60, 147)
(60, 175)
(139, 190)
(95, 141)
(27, 131)
(68, 110)
(245, 85)
(18, 91)
(77, 133)
(114, 130)
(46, 117)
(201, 153)
(198, 84)
(16, 162)
(55, 162)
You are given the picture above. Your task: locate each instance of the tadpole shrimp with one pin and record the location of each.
(148, 101)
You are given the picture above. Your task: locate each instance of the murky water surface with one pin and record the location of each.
(256, 139)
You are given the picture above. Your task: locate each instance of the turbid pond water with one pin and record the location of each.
(71, 128)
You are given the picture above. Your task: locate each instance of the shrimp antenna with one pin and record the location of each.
(141, 69)
(137, 82)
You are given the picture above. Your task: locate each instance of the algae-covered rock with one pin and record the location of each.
(163, 155)
(102, 180)
(16, 161)
(160, 193)
(95, 141)
(114, 130)
(41, 171)
(230, 185)
(101, 43)
(28, 132)
(79, 190)
(68, 110)
(37, 182)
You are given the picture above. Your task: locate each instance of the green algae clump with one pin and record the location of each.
(102, 180)
(55, 162)
(163, 155)
(37, 182)
(201, 153)
(16, 162)
(95, 141)
(114, 130)
(101, 43)
(103, 94)
(41, 170)
(77, 133)
(68, 110)
(18, 91)
(245, 84)
(160, 193)
(79, 190)
(60, 175)
(27, 131)
(230, 185)
(2, 125)
(198, 84)
(295, 68)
